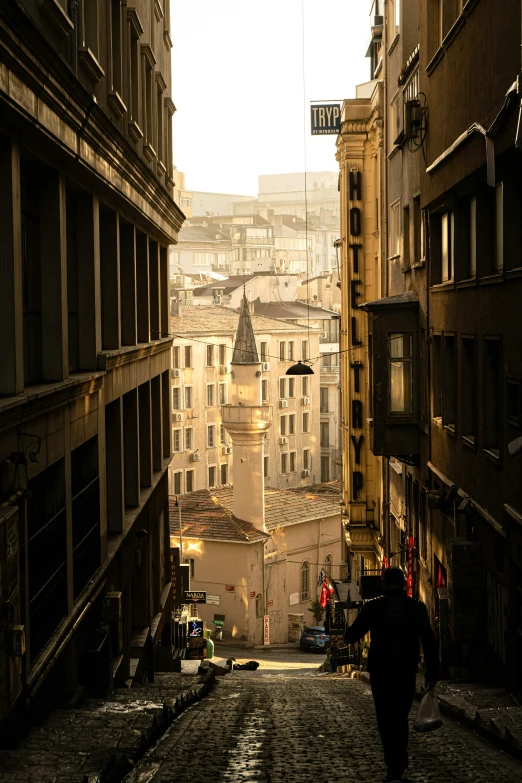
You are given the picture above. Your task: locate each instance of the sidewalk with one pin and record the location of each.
(103, 739)
(490, 711)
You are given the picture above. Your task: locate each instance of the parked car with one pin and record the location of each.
(314, 638)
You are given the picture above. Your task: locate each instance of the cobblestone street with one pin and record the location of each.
(287, 722)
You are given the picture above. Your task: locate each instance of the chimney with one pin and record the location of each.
(176, 307)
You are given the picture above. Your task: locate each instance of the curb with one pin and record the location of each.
(476, 725)
(121, 767)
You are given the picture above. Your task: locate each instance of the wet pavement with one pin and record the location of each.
(288, 722)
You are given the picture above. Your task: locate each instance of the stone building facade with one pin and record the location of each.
(85, 426)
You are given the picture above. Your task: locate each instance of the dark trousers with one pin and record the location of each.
(393, 693)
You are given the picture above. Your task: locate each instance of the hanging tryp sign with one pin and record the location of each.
(325, 119)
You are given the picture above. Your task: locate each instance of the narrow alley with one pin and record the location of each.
(288, 722)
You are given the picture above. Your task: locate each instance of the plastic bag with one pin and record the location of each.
(428, 717)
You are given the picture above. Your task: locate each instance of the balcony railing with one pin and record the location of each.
(330, 370)
(246, 414)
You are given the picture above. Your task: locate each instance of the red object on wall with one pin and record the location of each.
(253, 594)
(409, 581)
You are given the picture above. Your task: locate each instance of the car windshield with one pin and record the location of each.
(314, 631)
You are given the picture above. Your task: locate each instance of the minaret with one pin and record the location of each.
(247, 420)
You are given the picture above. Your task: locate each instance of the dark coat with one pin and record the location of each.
(398, 625)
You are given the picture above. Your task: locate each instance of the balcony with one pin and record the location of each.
(334, 370)
(248, 418)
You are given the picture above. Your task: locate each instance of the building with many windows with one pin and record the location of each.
(201, 383)
(85, 421)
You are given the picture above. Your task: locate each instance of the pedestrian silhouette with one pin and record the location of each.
(397, 625)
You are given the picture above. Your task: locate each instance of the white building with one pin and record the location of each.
(201, 384)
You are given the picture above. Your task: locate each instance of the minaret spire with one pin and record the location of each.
(245, 349)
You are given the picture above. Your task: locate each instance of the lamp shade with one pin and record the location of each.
(299, 369)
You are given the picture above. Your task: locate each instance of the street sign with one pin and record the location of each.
(325, 119)
(195, 596)
(266, 629)
(213, 599)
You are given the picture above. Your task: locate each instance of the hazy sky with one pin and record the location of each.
(238, 87)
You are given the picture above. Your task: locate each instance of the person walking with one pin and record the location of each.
(397, 624)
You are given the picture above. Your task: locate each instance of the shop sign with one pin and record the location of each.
(195, 596)
(358, 382)
(213, 599)
(266, 629)
(325, 119)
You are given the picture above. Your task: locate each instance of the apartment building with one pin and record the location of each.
(200, 386)
(85, 425)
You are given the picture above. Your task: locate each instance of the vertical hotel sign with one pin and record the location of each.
(357, 380)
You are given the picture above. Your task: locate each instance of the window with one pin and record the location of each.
(189, 481)
(328, 560)
(91, 26)
(176, 356)
(282, 388)
(406, 261)
(306, 422)
(159, 125)
(394, 18)
(177, 482)
(264, 391)
(221, 434)
(176, 440)
(306, 459)
(325, 434)
(446, 246)
(325, 468)
(449, 381)
(472, 239)
(266, 472)
(176, 398)
(212, 476)
(305, 581)
(291, 387)
(259, 606)
(304, 349)
(282, 425)
(188, 397)
(395, 127)
(284, 463)
(282, 352)
(224, 473)
(395, 229)
(116, 61)
(290, 351)
(210, 394)
(418, 252)
(222, 354)
(305, 386)
(469, 384)
(323, 399)
(291, 424)
(513, 401)
(210, 355)
(492, 395)
(264, 352)
(436, 372)
(188, 438)
(400, 374)
(499, 228)
(222, 393)
(293, 455)
(211, 436)
(188, 356)
(190, 562)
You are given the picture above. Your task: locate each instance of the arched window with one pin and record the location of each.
(305, 581)
(328, 560)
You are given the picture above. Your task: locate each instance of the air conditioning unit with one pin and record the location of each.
(224, 369)
(283, 403)
(195, 457)
(175, 373)
(266, 366)
(283, 441)
(305, 400)
(178, 417)
(305, 473)
(226, 450)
